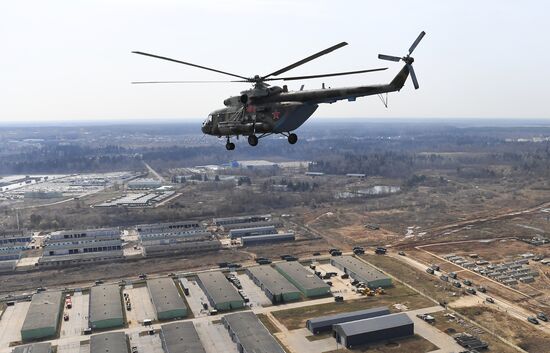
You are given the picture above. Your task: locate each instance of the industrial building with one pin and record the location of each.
(241, 219)
(324, 323)
(43, 316)
(181, 247)
(250, 334)
(220, 292)
(145, 230)
(106, 307)
(12, 244)
(381, 328)
(267, 239)
(34, 348)
(308, 283)
(139, 199)
(144, 184)
(361, 271)
(277, 288)
(246, 232)
(273, 222)
(166, 299)
(181, 337)
(111, 342)
(74, 246)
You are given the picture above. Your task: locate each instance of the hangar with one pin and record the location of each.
(221, 294)
(361, 271)
(250, 334)
(106, 307)
(324, 323)
(111, 342)
(181, 337)
(355, 333)
(309, 284)
(34, 348)
(43, 316)
(166, 299)
(277, 288)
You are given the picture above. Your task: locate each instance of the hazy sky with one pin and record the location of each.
(71, 60)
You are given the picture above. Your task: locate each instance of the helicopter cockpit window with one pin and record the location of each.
(208, 120)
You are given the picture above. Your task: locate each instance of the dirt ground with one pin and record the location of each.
(520, 333)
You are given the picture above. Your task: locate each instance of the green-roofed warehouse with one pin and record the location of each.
(166, 299)
(307, 282)
(43, 316)
(221, 294)
(106, 307)
(276, 287)
(34, 348)
(361, 271)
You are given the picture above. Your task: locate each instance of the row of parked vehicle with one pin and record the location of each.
(127, 301)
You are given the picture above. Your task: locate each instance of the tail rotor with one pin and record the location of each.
(408, 60)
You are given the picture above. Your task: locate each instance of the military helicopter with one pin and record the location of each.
(265, 110)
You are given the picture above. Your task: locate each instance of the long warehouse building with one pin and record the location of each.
(43, 316)
(276, 287)
(361, 271)
(111, 342)
(381, 328)
(166, 299)
(324, 323)
(250, 334)
(34, 348)
(268, 238)
(106, 307)
(307, 282)
(247, 232)
(221, 294)
(181, 337)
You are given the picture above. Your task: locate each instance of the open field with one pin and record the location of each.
(399, 294)
(521, 333)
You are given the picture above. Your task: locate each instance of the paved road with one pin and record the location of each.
(152, 171)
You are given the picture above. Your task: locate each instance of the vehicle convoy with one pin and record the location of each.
(265, 110)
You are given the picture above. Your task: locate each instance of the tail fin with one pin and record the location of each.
(399, 80)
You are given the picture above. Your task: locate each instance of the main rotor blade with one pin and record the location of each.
(325, 75)
(146, 82)
(309, 58)
(413, 77)
(190, 64)
(388, 57)
(418, 39)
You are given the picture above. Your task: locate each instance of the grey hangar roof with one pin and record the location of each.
(374, 324)
(272, 280)
(105, 303)
(300, 274)
(181, 337)
(218, 287)
(165, 295)
(43, 311)
(111, 342)
(251, 333)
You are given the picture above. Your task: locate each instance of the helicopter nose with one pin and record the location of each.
(205, 129)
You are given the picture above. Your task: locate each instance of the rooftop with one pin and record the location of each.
(251, 333)
(111, 342)
(373, 324)
(165, 295)
(272, 280)
(349, 316)
(218, 287)
(105, 303)
(300, 274)
(43, 311)
(34, 348)
(367, 272)
(181, 337)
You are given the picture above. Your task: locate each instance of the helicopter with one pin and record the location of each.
(266, 110)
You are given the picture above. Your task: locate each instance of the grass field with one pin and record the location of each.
(399, 294)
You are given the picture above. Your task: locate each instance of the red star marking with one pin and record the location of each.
(276, 115)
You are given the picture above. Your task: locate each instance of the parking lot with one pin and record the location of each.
(214, 337)
(78, 316)
(142, 306)
(195, 298)
(146, 343)
(255, 294)
(11, 323)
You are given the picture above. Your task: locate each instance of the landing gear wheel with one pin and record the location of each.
(292, 138)
(230, 146)
(252, 140)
